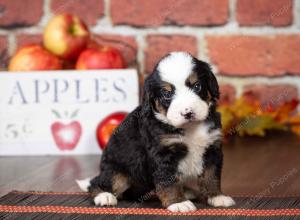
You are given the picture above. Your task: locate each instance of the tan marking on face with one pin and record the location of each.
(120, 183)
(208, 98)
(192, 79)
(160, 108)
(167, 86)
(171, 194)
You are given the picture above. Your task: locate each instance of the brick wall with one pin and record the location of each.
(253, 45)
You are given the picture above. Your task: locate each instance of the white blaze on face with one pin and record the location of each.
(175, 69)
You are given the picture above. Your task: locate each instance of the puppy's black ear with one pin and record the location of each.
(147, 95)
(213, 86)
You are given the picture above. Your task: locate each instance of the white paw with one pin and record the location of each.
(105, 198)
(84, 184)
(185, 206)
(221, 201)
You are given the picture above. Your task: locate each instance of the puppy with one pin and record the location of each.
(170, 144)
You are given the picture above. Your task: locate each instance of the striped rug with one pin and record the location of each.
(67, 205)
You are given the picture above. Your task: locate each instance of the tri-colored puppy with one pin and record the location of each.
(168, 143)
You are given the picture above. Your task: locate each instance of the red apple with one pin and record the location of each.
(100, 58)
(107, 126)
(92, 43)
(34, 57)
(66, 136)
(66, 36)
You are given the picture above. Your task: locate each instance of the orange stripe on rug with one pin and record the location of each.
(147, 211)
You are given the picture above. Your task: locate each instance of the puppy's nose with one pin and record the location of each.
(188, 115)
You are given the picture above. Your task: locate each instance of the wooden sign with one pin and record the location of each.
(57, 112)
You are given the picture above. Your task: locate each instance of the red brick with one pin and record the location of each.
(227, 94)
(180, 12)
(3, 52)
(89, 10)
(126, 44)
(25, 39)
(255, 55)
(16, 13)
(160, 45)
(271, 95)
(265, 12)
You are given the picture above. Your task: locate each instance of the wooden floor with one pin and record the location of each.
(252, 166)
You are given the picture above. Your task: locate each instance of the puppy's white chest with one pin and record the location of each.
(197, 138)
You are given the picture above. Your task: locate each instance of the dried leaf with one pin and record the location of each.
(283, 113)
(247, 117)
(296, 129)
(258, 125)
(75, 113)
(294, 120)
(56, 113)
(227, 117)
(242, 108)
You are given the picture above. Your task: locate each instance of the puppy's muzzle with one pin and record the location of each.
(188, 114)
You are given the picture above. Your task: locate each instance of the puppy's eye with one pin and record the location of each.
(197, 87)
(166, 94)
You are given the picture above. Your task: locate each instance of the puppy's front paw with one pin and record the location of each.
(185, 206)
(105, 198)
(221, 201)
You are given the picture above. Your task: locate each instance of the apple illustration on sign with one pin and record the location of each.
(66, 135)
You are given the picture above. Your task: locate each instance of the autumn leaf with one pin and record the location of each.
(243, 108)
(246, 117)
(295, 124)
(294, 120)
(227, 117)
(283, 113)
(258, 125)
(296, 129)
